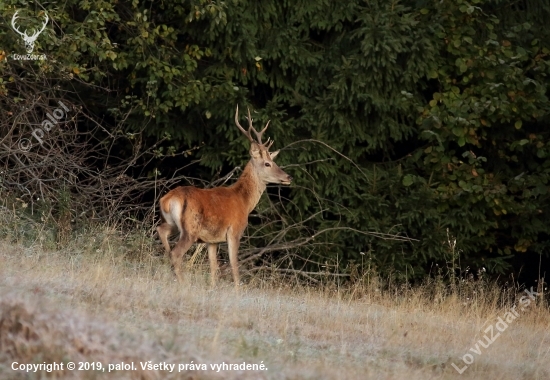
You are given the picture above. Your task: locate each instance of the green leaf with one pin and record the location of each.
(432, 74)
(408, 180)
(458, 131)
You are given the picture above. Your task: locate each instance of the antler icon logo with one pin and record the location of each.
(29, 40)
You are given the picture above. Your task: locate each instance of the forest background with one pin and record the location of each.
(422, 119)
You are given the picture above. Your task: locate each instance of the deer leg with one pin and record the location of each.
(176, 256)
(213, 257)
(233, 246)
(164, 231)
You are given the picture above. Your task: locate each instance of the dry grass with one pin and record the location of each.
(101, 299)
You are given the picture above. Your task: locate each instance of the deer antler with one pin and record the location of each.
(246, 133)
(251, 128)
(258, 134)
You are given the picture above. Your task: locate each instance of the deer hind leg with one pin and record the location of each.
(176, 256)
(233, 243)
(213, 257)
(164, 231)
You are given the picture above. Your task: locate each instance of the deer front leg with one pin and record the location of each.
(213, 257)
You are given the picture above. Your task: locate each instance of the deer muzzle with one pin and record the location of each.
(287, 181)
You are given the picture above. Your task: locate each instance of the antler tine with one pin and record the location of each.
(260, 134)
(246, 133)
(251, 127)
(270, 143)
(250, 121)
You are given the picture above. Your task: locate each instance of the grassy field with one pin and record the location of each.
(99, 300)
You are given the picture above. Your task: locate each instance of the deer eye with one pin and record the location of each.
(267, 164)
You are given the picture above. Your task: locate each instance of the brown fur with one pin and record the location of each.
(220, 214)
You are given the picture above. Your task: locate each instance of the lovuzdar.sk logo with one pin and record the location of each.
(29, 39)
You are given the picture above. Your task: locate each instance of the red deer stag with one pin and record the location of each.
(220, 214)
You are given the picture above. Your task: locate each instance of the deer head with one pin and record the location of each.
(29, 40)
(267, 170)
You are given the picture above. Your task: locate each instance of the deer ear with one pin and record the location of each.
(274, 154)
(255, 150)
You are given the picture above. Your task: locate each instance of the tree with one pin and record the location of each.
(409, 117)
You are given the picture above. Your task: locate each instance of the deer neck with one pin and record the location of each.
(250, 187)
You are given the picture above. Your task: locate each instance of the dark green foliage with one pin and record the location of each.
(438, 109)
